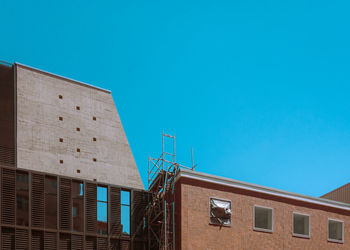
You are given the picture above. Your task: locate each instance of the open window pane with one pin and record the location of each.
(301, 225)
(125, 198)
(220, 212)
(263, 218)
(335, 230)
(102, 194)
(125, 219)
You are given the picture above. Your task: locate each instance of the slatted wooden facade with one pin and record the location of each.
(49, 194)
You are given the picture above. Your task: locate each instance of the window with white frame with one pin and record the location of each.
(335, 230)
(220, 212)
(263, 218)
(301, 225)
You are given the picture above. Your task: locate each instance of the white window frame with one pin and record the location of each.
(263, 229)
(228, 225)
(334, 240)
(301, 235)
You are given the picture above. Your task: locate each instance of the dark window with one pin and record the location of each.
(102, 213)
(22, 199)
(301, 225)
(335, 231)
(78, 205)
(50, 202)
(220, 212)
(263, 219)
(125, 211)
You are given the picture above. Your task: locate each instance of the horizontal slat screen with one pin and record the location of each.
(8, 197)
(22, 239)
(65, 204)
(65, 241)
(77, 242)
(102, 243)
(50, 240)
(115, 211)
(91, 243)
(38, 207)
(91, 207)
(8, 238)
(37, 240)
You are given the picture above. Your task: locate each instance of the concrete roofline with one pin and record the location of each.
(260, 189)
(62, 77)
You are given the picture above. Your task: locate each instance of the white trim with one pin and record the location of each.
(220, 199)
(307, 236)
(272, 220)
(333, 240)
(261, 189)
(63, 77)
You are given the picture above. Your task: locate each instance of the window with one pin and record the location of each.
(50, 202)
(335, 230)
(125, 212)
(78, 205)
(220, 212)
(301, 225)
(263, 219)
(102, 213)
(22, 199)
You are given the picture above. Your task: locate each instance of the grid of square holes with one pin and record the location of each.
(77, 129)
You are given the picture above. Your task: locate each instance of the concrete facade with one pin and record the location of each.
(68, 128)
(195, 232)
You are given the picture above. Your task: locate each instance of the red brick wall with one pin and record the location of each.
(197, 233)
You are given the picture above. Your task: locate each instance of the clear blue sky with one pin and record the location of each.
(259, 89)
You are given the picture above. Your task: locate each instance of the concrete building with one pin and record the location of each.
(68, 177)
(68, 180)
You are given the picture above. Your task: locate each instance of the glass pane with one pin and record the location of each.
(102, 194)
(22, 199)
(77, 214)
(335, 230)
(50, 185)
(77, 189)
(263, 218)
(50, 210)
(125, 219)
(125, 197)
(301, 224)
(102, 211)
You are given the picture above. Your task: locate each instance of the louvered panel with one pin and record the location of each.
(140, 201)
(114, 244)
(65, 204)
(22, 239)
(7, 156)
(65, 242)
(139, 245)
(115, 211)
(50, 241)
(91, 208)
(91, 243)
(38, 200)
(37, 240)
(8, 238)
(8, 196)
(77, 242)
(102, 243)
(124, 245)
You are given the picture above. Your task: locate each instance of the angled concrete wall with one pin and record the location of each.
(58, 117)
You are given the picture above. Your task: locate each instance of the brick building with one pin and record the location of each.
(257, 217)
